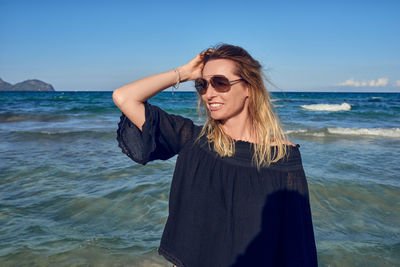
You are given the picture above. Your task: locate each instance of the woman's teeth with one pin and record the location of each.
(215, 105)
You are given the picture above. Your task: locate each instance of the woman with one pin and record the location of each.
(239, 195)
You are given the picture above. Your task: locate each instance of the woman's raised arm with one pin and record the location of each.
(130, 98)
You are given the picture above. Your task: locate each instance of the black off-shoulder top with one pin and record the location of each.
(223, 211)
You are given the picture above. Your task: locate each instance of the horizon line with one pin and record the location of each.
(171, 92)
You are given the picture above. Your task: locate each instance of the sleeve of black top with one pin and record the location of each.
(162, 136)
(298, 235)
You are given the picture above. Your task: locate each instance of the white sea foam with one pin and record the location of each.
(316, 133)
(296, 131)
(327, 107)
(385, 132)
(329, 131)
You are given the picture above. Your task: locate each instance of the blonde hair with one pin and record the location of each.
(266, 125)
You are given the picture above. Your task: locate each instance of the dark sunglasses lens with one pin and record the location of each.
(200, 85)
(220, 83)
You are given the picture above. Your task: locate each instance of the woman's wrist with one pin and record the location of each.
(183, 74)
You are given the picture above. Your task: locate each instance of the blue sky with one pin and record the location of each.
(102, 45)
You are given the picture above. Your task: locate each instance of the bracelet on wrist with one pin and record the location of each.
(176, 86)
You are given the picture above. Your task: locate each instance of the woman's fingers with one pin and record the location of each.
(195, 66)
(206, 52)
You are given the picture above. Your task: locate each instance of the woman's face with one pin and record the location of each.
(229, 105)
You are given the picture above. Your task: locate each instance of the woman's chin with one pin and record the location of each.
(216, 117)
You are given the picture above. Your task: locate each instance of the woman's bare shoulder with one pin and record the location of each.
(286, 142)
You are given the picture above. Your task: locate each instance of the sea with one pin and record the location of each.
(69, 197)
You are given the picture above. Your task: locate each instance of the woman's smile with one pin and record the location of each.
(214, 106)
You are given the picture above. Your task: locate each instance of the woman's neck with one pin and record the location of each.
(240, 129)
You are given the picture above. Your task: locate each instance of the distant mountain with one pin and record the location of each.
(5, 86)
(28, 85)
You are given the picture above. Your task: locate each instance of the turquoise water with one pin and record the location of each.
(69, 197)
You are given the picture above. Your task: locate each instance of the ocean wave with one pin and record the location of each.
(306, 132)
(385, 132)
(375, 99)
(61, 135)
(327, 107)
(20, 117)
(279, 106)
(340, 131)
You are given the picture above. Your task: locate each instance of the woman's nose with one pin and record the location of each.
(210, 91)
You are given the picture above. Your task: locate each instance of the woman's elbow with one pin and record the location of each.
(118, 98)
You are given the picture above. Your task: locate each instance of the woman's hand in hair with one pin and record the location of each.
(194, 68)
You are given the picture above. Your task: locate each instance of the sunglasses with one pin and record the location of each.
(219, 82)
